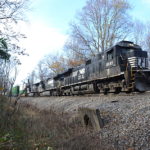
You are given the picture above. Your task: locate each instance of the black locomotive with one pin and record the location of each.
(123, 67)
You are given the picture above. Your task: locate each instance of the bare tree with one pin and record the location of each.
(11, 12)
(8, 74)
(55, 63)
(32, 77)
(43, 70)
(140, 32)
(48, 67)
(98, 26)
(147, 39)
(141, 35)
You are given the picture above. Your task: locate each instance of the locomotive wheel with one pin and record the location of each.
(128, 91)
(105, 91)
(117, 90)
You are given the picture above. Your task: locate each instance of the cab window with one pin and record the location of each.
(110, 55)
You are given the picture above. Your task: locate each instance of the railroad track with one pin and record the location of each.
(101, 94)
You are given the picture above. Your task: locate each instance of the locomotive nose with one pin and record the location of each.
(142, 81)
(146, 76)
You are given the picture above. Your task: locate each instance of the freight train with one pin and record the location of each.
(121, 68)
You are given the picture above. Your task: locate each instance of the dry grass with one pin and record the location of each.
(26, 128)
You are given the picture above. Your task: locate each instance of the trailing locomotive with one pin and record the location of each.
(123, 67)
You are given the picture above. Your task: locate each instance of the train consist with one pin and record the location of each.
(121, 68)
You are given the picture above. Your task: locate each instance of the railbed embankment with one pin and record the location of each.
(126, 118)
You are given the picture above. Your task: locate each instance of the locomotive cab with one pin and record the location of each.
(112, 67)
(132, 54)
(133, 61)
(129, 62)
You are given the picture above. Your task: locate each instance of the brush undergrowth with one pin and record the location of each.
(25, 128)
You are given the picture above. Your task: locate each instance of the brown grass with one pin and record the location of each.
(26, 128)
(23, 127)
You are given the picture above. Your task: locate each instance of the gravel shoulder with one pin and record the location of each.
(124, 103)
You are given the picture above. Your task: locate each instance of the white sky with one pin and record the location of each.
(41, 40)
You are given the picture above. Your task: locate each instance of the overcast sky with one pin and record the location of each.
(48, 24)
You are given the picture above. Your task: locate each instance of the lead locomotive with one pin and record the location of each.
(123, 67)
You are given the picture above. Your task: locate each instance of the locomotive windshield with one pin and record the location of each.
(110, 55)
(135, 56)
(128, 52)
